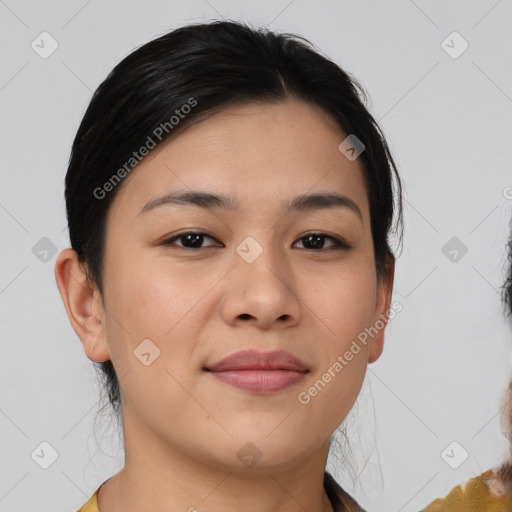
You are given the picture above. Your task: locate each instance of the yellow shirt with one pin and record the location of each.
(474, 496)
(341, 501)
(92, 504)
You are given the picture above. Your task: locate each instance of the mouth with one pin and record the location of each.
(260, 372)
(260, 381)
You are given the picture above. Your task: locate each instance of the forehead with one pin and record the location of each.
(258, 153)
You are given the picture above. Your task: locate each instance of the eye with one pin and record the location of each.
(193, 240)
(314, 240)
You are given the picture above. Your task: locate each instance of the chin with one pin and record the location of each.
(262, 452)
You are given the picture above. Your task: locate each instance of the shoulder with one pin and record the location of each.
(341, 500)
(484, 493)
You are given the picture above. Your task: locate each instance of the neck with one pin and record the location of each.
(159, 477)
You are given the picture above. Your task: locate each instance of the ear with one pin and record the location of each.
(83, 304)
(383, 303)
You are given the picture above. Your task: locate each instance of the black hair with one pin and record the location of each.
(506, 289)
(185, 75)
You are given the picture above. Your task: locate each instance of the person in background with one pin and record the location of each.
(492, 490)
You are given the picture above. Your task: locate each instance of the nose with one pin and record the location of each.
(262, 293)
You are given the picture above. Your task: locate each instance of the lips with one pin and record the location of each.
(260, 372)
(255, 360)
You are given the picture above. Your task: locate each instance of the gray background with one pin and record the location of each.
(449, 125)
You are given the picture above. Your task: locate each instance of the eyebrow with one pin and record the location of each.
(304, 202)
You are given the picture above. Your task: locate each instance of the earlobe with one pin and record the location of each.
(83, 305)
(383, 304)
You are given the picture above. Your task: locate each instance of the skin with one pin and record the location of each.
(183, 427)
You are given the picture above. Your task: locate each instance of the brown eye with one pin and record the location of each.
(312, 241)
(189, 239)
(315, 241)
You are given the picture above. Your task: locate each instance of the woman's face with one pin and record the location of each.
(249, 279)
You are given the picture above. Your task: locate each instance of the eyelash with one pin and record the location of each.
(338, 244)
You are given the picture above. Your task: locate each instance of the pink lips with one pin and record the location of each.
(261, 372)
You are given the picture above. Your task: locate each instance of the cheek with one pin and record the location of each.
(343, 301)
(328, 399)
(151, 297)
(345, 308)
(338, 382)
(147, 302)
(151, 300)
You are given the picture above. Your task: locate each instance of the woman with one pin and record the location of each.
(229, 201)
